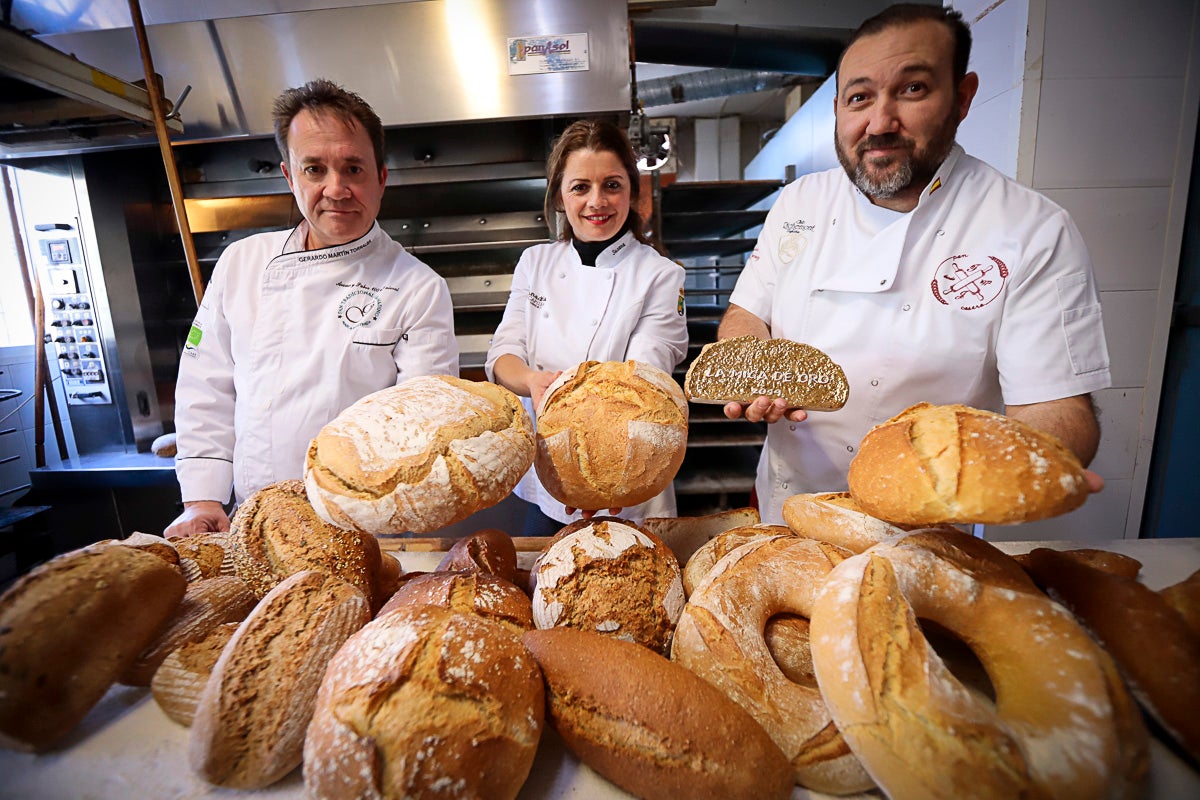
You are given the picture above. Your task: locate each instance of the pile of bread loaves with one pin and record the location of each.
(847, 650)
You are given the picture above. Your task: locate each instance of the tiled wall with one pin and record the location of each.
(17, 423)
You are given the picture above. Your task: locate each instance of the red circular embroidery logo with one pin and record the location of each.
(969, 283)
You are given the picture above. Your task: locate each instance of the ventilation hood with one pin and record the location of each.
(53, 102)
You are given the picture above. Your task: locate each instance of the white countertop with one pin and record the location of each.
(127, 748)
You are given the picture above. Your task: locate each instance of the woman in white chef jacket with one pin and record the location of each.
(601, 293)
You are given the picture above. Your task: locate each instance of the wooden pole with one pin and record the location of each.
(157, 107)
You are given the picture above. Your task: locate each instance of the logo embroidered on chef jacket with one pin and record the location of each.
(969, 284)
(192, 344)
(937, 184)
(359, 308)
(536, 300)
(679, 306)
(790, 246)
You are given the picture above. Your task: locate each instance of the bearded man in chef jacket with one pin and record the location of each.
(926, 274)
(297, 325)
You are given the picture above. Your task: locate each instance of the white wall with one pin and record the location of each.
(1094, 103)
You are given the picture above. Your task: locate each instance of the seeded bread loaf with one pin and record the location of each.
(419, 456)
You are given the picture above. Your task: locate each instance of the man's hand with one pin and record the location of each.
(764, 409)
(199, 516)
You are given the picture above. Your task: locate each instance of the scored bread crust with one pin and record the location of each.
(743, 368)
(720, 638)
(1063, 725)
(704, 559)
(180, 679)
(955, 464)
(836, 518)
(68, 628)
(467, 592)
(419, 456)
(652, 727)
(426, 702)
(610, 434)
(277, 533)
(248, 730)
(488, 550)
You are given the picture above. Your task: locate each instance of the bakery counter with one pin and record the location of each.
(127, 747)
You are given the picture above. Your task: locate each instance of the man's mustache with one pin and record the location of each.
(886, 140)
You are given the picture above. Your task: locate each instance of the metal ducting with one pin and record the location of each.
(798, 51)
(709, 83)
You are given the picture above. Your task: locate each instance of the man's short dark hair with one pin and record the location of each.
(903, 14)
(323, 96)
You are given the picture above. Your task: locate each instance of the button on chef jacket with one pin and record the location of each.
(561, 313)
(982, 295)
(285, 339)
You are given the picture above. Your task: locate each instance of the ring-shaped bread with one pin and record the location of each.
(720, 638)
(1062, 724)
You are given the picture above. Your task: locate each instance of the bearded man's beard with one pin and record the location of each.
(904, 168)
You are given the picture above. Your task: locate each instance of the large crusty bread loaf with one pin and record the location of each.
(836, 518)
(610, 434)
(1155, 649)
(745, 367)
(611, 577)
(419, 456)
(487, 550)
(248, 731)
(704, 559)
(425, 702)
(276, 533)
(206, 604)
(467, 593)
(651, 726)
(686, 535)
(205, 555)
(180, 679)
(936, 464)
(69, 628)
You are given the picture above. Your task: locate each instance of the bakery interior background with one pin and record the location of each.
(1092, 103)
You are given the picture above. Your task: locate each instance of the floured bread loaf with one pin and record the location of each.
(937, 464)
(424, 702)
(686, 535)
(836, 518)
(419, 456)
(467, 593)
(704, 559)
(651, 726)
(610, 434)
(156, 545)
(248, 731)
(745, 367)
(69, 628)
(183, 674)
(276, 533)
(612, 578)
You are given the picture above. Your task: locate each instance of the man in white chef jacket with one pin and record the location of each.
(297, 325)
(926, 274)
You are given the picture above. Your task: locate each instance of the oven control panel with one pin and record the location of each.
(71, 324)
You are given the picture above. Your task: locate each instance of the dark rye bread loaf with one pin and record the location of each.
(69, 628)
(248, 731)
(488, 550)
(744, 368)
(276, 533)
(426, 702)
(651, 726)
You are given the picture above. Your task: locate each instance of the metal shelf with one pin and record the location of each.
(715, 195)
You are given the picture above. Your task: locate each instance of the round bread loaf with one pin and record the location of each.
(652, 727)
(248, 730)
(836, 518)
(205, 555)
(610, 434)
(488, 550)
(207, 604)
(1152, 643)
(1105, 560)
(425, 702)
(720, 638)
(704, 559)
(180, 680)
(954, 464)
(419, 456)
(467, 593)
(67, 630)
(1062, 725)
(276, 533)
(610, 577)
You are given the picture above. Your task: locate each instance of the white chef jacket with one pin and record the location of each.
(286, 338)
(561, 313)
(982, 295)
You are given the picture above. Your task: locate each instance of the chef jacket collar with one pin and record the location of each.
(612, 255)
(872, 265)
(295, 244)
